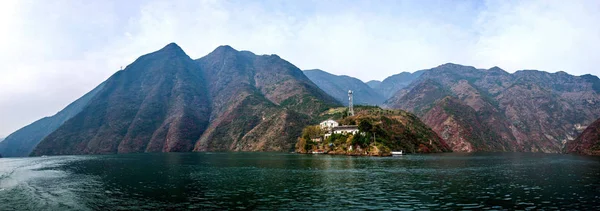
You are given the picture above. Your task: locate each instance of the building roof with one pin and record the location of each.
(346, 127)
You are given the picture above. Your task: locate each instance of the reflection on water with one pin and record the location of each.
(291, 181)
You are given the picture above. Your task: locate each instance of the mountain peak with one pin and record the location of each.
(225, 48)
(454, 66)
(449, 65)
(496, 69)
(172, 47)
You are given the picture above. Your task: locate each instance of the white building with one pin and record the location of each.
(346, 129)
(329, 124)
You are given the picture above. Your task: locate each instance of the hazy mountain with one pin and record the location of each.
(588, 142)
(374, 84)
(492, 110)
(389, 86)
(21, 142)
(338, 86)
(166, 102)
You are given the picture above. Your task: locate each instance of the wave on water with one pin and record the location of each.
(37, 183)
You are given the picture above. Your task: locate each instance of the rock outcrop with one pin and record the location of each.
(588, 142)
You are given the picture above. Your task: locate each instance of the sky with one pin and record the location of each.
(53, 52)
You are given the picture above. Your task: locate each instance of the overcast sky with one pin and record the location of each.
(52, 52)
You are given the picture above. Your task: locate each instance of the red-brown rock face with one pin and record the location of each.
(588, 142)
(492, 110)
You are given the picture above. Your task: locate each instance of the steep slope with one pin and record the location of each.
(588, 142)
(389, 86)
(338, 86)
(21, 142)
(529, 110)
(158, 103)
(462, 129)
(260, 103)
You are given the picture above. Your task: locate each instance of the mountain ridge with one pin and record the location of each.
(236, 100)
(165, 101)
(530, 110)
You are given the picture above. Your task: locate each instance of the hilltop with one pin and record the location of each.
(380, 131)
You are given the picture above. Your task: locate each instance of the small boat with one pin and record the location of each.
(397, 152)
(318, 152)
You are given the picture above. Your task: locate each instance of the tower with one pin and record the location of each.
(350, 104)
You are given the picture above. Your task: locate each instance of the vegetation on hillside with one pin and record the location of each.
(380, 132)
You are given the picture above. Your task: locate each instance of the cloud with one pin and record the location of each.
(54, 52)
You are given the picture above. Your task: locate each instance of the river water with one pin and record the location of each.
(293, 181)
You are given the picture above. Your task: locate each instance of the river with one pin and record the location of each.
(294, 181)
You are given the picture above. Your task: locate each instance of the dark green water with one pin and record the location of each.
(291, 181)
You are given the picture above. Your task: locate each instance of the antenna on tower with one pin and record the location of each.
(350, 104)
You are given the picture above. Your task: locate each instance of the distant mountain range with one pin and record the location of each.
(390, 85)
(492, 110)
(338, 86)
(370, 93)
(233, 100)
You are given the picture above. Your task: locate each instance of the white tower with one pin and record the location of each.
(350, 105)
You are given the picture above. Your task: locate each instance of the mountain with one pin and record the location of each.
(259, 103)
(374, 84)
(157, 103)
(389, 86)
(492, 110)
(22, 142)
(167, 102)
(338, 86)
(588, 142)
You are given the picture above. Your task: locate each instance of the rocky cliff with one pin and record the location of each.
(492, 110)
(588, 142)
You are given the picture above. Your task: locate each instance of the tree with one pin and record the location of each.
(311, 132)
(365, 125)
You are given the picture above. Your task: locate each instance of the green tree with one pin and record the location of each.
(311, 132)
(365, 125)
